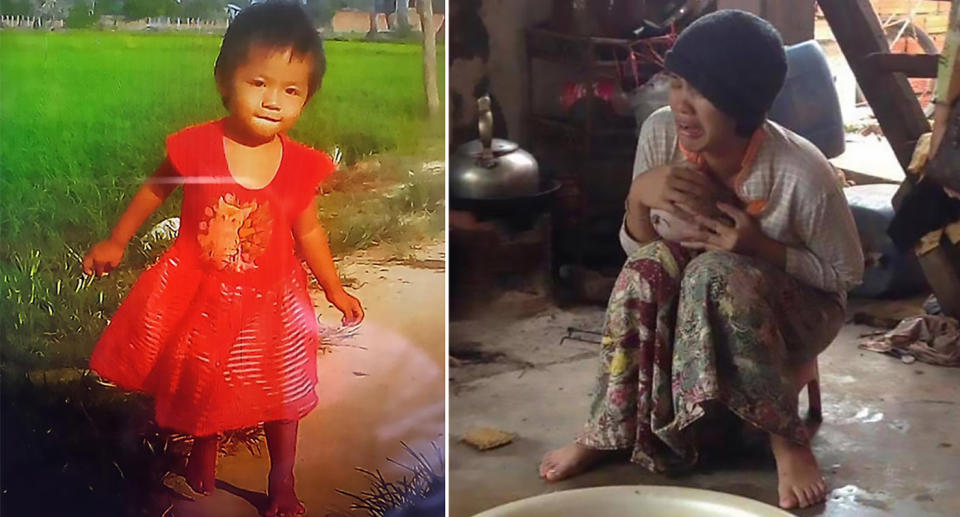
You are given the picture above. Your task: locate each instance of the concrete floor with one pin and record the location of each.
(888, 444)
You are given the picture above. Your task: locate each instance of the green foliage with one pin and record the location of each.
(81, 15)
(45, 302)
(322, 11)
(17, 8)
(110, 7)
(387, 497)
(138, 9)
(95, 444)
(205, 9)
(84, 116)
(401, 201)
(405, 32)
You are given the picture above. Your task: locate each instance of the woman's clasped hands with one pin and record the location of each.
(739, 234)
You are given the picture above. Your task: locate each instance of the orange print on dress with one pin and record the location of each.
(235, 234)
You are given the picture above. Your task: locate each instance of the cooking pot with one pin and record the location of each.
(492, 168)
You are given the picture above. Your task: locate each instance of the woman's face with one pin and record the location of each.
(700, 125)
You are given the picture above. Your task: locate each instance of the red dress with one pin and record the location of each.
(221, 330)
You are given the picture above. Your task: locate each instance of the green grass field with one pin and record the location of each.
(83, 116)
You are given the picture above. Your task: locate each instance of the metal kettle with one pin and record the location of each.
(492, 168)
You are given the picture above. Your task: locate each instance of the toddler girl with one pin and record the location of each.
(221, 330)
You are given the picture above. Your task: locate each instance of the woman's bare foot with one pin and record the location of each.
(202, 465)
(800, 482)
(569, 461)
(283, 500)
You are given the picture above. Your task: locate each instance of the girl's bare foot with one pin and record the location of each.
(569, 461)
(800, 482)
(282, 445)
(202, 465)
(283, 500)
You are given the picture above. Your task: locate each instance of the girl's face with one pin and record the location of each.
(700, 125)
(267, 92)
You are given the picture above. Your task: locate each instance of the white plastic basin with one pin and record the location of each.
(636, 500)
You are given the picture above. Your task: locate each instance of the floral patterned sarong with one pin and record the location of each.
(686, 331)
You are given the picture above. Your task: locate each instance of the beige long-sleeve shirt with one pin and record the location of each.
(805, 207)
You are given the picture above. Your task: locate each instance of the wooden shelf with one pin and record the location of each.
(912, 65)
(608, 142)
(591, 155)
(587, 50)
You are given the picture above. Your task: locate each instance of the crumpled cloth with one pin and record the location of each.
(931, 339)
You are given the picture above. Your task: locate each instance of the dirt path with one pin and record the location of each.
(385, 387)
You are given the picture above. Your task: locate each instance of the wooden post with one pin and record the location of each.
(857, 30)
(425, 10)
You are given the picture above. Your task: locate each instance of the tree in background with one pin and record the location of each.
(372, 33)
(204, 9)
(17, 8)
(403, 20)
(139, 9)
(49, 11)
(81, 15)
(108, 7)
(322, 11)
(425, 10)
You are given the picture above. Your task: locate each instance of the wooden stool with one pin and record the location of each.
(808, 375)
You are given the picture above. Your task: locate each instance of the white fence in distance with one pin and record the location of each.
(29, 22)
(118, 22)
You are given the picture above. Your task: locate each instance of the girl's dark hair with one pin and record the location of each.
(275, 24)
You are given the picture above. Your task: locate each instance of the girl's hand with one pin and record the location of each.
(741, 234)
(103, 257)
(348, 305)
